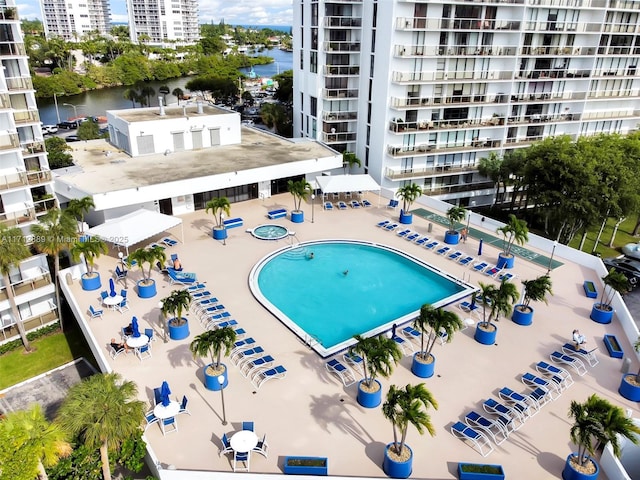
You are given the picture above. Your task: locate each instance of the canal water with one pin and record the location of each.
(97, 102)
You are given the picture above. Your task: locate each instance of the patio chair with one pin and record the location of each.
(493, 271)
(114, 353)
(455, 255)
(516, 419)
(383, 223)
(228, 323)
(588, 356)
(169, 422)
(150, 418)
(506, 276)
(183, 406)
(468, 260)
(262, 446)
(251, 365)
(575, 363)
(226, 445)
(328, 206)
(123, 332)
(403, 233)
(557, 374)
(247, 426)
(143, 352)
(514, 398)
(341, 371)
(490, 427)
(181, 278)
(422, 240)
(93, 313)
(481, 266)
(169, 242)
(540, 396)
(533, 381)
(468, 306)
(122, 306)
(406, 346)
(391, 226)
(240, 332)
(264, 376)
(354, 360)
(240, 457)
(244, 355)
(241, 345)
(444, 250)
(355, 204)
(411, 333)
(104, 294)
(120, 274)
(478, 441)
(123, 293)
(342, 205)
(196, 288)
(156, 395)
(412, 236)
(149, 333)
(431, 245)
(366, 203)
(393, 204)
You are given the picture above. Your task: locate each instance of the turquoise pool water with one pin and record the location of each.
(348, 288)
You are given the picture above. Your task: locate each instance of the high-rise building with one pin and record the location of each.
(73, 19)
(163, 22)
(26, 184)
(421, 91)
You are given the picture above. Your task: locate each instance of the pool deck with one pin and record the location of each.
(310, 412)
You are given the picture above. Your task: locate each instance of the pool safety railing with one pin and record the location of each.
(310, 340)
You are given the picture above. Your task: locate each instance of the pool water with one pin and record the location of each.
(270, 232)
(347, 288)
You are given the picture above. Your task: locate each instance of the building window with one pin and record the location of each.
(313, 62)
(313, 110)
(314, 39)
(314, 14)
(301, 59)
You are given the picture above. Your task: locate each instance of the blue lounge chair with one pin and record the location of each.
(242, 355)
(151, 419)
(505, 276)
(533, 381)
(393, 204)
(492, 427)
(493, 271)
(383, 223)
(422, 240)
(252, 364)
(432, 244)
(391, 226)
(406, 346)
(468, 307)
(411, 333)
(328, 206)
(228, 323)
(169, 242)
(183, 406)
(181, 278)
(481, 267)
(196, 288)
(121, 274)
(467, 434)
(557, 374)
(588, 356)
(342, 205)
(575, 363)
(540, 396)
(261, 377)
(95, 313)
(354, 360)
(366, 203)
(403, 233)
(466, 260)
(343, 372)
(168, 422)
(412, 236)
(524, 401)
(355, 204)
(443, 250)
(455, 255)
(514, 419)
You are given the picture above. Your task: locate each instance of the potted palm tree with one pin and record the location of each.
(515, 231)
(349, 159)
(454, 215)
(441, 322)
(90, 249)
(497, 301)
(213, 343)
(630, 384)
(148, 256)
(596, 423)
(379, 355)
(78, 207)
(535, 290)
(602, 311)
(300, 190)
(408, 194)
(403, 407)
(172, 307)
(218, 206)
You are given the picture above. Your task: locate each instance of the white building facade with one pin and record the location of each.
(421, 91)
(163, 22)
(73, 19)
(26, 185)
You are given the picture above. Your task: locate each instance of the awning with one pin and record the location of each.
(134, 227)
(347, 183)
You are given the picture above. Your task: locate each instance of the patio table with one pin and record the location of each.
(169, 411)
(111, 302)
(243, 441)
(137, 342)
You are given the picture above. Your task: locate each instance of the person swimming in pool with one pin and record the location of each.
(345, 273)
(311, 256)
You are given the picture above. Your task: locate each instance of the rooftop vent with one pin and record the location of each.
(162, 114)
(199, 105)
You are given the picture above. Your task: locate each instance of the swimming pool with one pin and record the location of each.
(348, 287)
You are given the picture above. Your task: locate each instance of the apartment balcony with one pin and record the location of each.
(623, 4)
(31, 322)
(14, 219)
(397, 174)
(332, 93)
(8, 13)
(423, 23)
(399, 151)
(547, 96)
(33, 148)
(12, 49)
(563, 51)
(24, 179)
(571, 3)
(621, 28)
(44, 205)
(398, 126)
(553, 73)
(338, 137)
(619, 50)
(23, 117)
(342, 22)
(337, 47)
(543, 118)
(339, 116)
(458, 188)
(5, 101)
(410, 51)
(428, 102)
(562, 26)
(613, 93)
(30, 280)
(343, 1)
(19, 83)
(9, 141)
(630, 71)
(521, 141)
(342, 70)
(431, 76)
(610, 115)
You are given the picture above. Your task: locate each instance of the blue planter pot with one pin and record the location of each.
(90, 283)
(505, 262)
(522, 317)
(569, 473)
(179, 332)
(297, 216)
(406, 218)
(484, 337)
(451, 237)
(396, 469)
(465, 474)
(369, 399)
(601, 315)
(147, 291)
(211, 381)
(421, 369)
(627, 390)
(219, 233)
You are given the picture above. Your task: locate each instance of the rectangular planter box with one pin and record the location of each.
(590, 289)
(305, 465)
(462, 475)
(613, 346)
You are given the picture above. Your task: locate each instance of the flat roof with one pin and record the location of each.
(105, 168)
(133, 115)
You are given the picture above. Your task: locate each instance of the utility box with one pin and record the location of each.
(430, 227)
(626, 365)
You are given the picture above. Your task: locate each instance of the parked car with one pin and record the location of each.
(49, 129)
(68, 124)
(628, 266)
(71, 138)
(632, 250)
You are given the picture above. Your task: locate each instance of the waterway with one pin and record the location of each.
(97, 102)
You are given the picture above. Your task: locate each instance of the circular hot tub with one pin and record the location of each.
(270, 232)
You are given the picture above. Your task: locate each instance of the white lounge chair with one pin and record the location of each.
(343, 372)
(468, 435)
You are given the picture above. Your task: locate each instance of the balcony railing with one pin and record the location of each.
(542, 96)
(12, 49)
(14, 219)
(423, 23)
(19, 83)
(26, 116)
(411, 51)
(341, 46)
(43, 206)
(342, 70)
(23, 179)
(459, 188)
(330, 93)
(339, 116)
(544, 118)
(562, 26)
(338, 137)
(8, 13)
(610, 114)
(35, 278)
(9, 141)
(398, 151)
(553, 73)
(573, 51)
(5, 102)
(412, 127)
(411, 77)
(406, 174)
(342, 22)
(571, 3)
(614, 93)
(621, 27)
(523, 140)
(31, 148)
(621, 50)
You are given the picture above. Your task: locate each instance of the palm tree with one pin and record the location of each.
(515, 231)
(409, 194)
(90, 249)
(218, 206)
(164, 90)
(103, 412)
(379, 354)
(408, 406)
(349, 159)
(78, 207)
(455, 214)
(148, 256)
(502, 300)
(300, 190)
(439, 321)
(487, 292)
(214, 342)
(147, 91)
(36, 442)
(132, 95)
(174, 304)
(597, 422)
(178, 93)
(536, 290)
(613, 282)
(55, 232)
(636, 347)
(13, 250)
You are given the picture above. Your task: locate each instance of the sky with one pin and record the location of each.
(233, 12)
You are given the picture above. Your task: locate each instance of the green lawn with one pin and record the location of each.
(50, 352)
(623, 236)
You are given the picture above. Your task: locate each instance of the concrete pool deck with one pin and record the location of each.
(310, 412)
